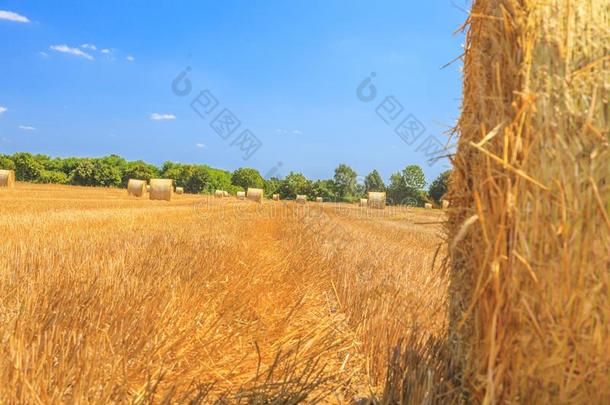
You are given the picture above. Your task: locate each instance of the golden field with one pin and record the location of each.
(106, 298)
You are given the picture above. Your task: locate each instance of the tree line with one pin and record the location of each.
(405, 187)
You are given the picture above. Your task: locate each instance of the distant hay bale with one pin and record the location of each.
(219, 194)
(179, 190)
(136, 188)
(161, 189)
(319, 199)
(276, 197)
(529, 225)
(377, 200)
(225, 194)
(7, 178)
(241, 195)
(148, 188)
(363, 202)
(301, 199)
(255, 194)
(445, 204)
(428, 206)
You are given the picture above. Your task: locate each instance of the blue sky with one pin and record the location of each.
(90, 78)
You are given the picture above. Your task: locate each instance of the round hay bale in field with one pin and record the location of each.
(445, 204)
(7, 178)
(136, 188)
(241, 195)
(377, 200)
(219, 194)
(161, 189)
(179, 190)
(319, 199)
(255, 194)
(363, 202)
(148, 188)
(428, 206)
(276, 197)
(225, 194)
(301, 199)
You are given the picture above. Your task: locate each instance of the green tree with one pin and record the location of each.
(106, 173)
(27, 168)
(293, 184)
(247, 177)
(6, 163)
(197, 179)
(139, 170)
(53, 177)
(322, 188)
(83, 173)
(272, 186)
(373, 182)
(438, 188)
(406, 187)
(344, 181)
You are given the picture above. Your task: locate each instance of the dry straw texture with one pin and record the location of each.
(377, 200)
(284, 310)
(301, 199)
(7, 178)
(179, 190)
(530, 227)
(241, 195)
(363, 202)
(255, 194)
(136, 188)
(161, 189)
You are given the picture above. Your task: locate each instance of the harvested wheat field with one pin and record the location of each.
(110, 299)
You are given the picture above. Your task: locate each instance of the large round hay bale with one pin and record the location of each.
(7, 178)
(529, 225)
(161, 189)
(301, 199)
(255, 194)
(136, 188)
(219, 194)
(179, 190)
(276, 197)
(428, 206)
(241, 195)
(319, 199)
(363, 202)
(377, 200)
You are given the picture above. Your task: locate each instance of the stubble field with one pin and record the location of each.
(106, 298)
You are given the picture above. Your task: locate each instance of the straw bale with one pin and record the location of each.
(179, 190)
(255, 194)
(136, 188)
(161, 189)
(377, 200)
(301, 199)
(529, 227)
(7, 178)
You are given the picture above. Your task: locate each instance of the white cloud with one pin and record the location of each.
(10, 16)
(106, 51)
(200, 145)
(162, 117)
(26, 128)
(89, 46)
(43, 54)
(130, 58)
(2, 109)
(297, 132)
(72, 51)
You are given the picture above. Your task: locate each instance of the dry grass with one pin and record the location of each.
(106, 298)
